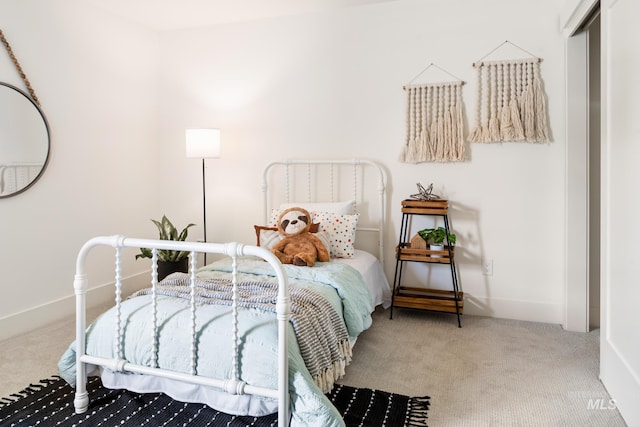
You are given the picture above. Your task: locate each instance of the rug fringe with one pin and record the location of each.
(27, 391)
(417, 412)
(5, 401)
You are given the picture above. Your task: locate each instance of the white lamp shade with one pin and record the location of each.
(203, 143)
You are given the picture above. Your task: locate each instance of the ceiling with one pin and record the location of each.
(176, 14)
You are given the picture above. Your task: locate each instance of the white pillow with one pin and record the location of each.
(268, 238)
(325, 238)
(342, 208)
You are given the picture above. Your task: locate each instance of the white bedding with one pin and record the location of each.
(373, 275)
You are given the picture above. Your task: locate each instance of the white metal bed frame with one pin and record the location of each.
(233, 385)
(355, 164)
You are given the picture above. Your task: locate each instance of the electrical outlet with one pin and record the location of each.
(487, 267)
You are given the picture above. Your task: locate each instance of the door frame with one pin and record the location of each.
(576, 307)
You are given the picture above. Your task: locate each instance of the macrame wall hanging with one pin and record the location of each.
(435, 125)
(511, 104)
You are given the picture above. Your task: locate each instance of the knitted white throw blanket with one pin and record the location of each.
(321, 332)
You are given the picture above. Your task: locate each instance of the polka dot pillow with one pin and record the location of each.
(342, 232)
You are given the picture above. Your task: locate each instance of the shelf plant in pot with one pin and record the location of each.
(169, 261)
(436, 237)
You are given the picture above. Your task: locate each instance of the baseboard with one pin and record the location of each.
(45, 314)
(513, 309)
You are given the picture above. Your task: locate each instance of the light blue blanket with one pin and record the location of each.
(341, 284)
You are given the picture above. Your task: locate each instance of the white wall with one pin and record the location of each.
(97, 81)
(330, 85)
(118, 98)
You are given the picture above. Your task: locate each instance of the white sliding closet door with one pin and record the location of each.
(620, 275)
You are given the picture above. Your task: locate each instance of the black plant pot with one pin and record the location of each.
(165, 268)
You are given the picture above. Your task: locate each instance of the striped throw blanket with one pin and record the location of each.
(321, 332)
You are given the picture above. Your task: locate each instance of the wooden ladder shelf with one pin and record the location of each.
(447, 301)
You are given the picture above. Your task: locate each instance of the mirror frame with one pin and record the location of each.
(46, 125)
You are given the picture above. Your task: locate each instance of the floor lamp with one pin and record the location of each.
(203, 144)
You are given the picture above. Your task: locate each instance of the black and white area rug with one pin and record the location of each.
(50, 403)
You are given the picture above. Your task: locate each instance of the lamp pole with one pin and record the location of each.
(203, 144)
(204, 210)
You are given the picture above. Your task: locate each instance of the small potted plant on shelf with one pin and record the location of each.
(436, 237)
(169, 261)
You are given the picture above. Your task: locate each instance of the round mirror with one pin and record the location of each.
(24, 141)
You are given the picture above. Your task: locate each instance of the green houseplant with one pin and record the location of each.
(436, 236)
(169, 261)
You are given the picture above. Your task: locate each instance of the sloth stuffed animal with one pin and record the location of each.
(298, 247)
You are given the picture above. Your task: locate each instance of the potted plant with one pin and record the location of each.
(169, 261)
(436, 237)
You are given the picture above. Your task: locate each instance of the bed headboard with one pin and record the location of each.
(314, 181)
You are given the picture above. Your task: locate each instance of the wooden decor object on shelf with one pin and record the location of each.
(417, 242)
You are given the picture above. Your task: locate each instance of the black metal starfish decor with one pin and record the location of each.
(425, 193)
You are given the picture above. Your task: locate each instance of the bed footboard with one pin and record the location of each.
(232, 385)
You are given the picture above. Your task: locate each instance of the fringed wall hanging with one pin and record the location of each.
(435, 125)
(511, 104)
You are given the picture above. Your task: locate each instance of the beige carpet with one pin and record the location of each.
(490, 372)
